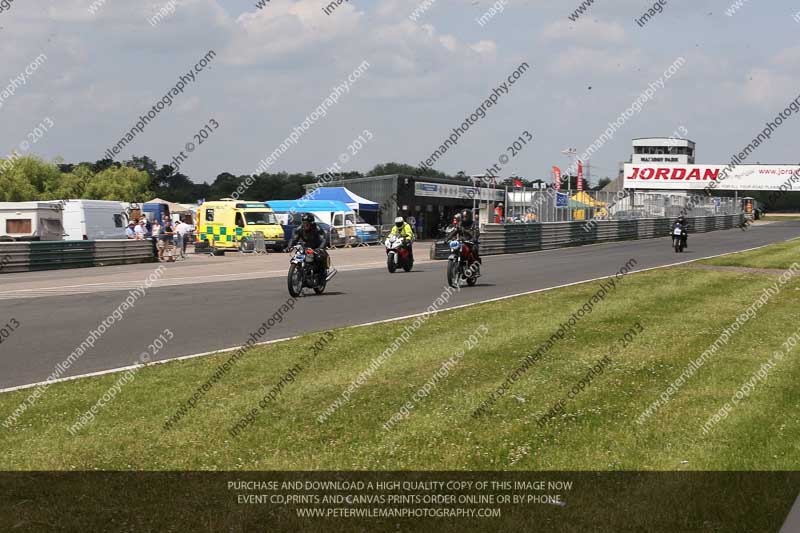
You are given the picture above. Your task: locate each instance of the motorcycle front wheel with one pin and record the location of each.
(295, 280)
(390, 264)
(453, 275)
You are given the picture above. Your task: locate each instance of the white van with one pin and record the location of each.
(31, 221)
(94, 220)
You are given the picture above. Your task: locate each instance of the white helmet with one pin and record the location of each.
(399, 220)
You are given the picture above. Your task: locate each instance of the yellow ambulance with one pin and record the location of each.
(227, 224)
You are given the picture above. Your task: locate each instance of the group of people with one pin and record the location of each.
(166, 235)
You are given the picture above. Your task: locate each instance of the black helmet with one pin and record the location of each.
(307, 218)
(466, 218)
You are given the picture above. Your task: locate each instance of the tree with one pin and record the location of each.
(125, 184)
(401, 168)
(602, 183)
(26, 178)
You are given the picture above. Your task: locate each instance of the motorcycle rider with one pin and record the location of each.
(681, 223)
(312, 236)
(466, 230)
(406, 232)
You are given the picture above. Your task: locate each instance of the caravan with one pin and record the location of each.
(94, 220)
(30, 221)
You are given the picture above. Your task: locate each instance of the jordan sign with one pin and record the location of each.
(719, 177)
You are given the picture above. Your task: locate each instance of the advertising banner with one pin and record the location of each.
(740, 178)
(441, 190)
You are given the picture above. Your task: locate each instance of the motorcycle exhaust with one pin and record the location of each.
(332, 273)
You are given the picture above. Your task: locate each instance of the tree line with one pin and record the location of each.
(140, 179)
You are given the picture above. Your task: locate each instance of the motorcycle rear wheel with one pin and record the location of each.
(408, 265)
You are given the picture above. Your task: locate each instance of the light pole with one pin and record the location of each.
(574, 153)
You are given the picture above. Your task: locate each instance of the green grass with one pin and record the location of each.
(682, 310)
(773, 218)
(778, 256)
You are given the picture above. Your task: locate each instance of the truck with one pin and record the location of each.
(91, 220)
(31, 221)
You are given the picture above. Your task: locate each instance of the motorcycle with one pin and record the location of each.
(304, 272)
(461, 265)
(679, 239)
(397, 254)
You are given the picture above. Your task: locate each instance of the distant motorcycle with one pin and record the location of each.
(461, 265)
(397, 254)
(679, 238)
(303, 272)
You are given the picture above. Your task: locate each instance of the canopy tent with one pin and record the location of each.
(177, 209)
(311, 206)
(343, 194)
(575, 204)
(586, 199)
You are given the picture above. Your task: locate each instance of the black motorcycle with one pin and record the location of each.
(679, 238)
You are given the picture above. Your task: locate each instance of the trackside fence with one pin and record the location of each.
(517, 238)
(54, 255)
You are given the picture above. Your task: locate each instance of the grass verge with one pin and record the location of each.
(777, 256)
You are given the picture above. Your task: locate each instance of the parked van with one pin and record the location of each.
(333, 213)
(367, 233)
(155, 211)
(31, 221)
(224, 224)
(94, 220)
(290, 221)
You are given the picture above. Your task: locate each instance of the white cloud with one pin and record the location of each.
(586, 31)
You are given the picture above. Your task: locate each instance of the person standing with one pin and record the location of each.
(130, 231)
(498, 213)
(140, 231)
(167, 238)
(156, 234)
(183, 229)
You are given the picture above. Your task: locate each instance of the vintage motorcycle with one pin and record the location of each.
(304, 271)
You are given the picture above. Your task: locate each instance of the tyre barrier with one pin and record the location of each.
(54, 255)
(499, 239)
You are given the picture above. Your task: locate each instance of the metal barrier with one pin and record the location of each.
(54, 255)
(517, 238)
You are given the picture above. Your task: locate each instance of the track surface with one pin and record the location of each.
(213, 316)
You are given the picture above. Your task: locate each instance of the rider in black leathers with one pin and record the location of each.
(312, 236)
(684, 226)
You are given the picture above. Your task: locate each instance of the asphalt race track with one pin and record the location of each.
(212, 316)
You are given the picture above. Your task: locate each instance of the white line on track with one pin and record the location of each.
(394, 319)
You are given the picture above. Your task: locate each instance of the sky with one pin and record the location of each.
(274, 66)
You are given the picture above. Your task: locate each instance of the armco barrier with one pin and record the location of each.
(53, 255)
(516, 238)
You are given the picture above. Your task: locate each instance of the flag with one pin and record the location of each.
(557, 178)
(580, 175)
(517, 183)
